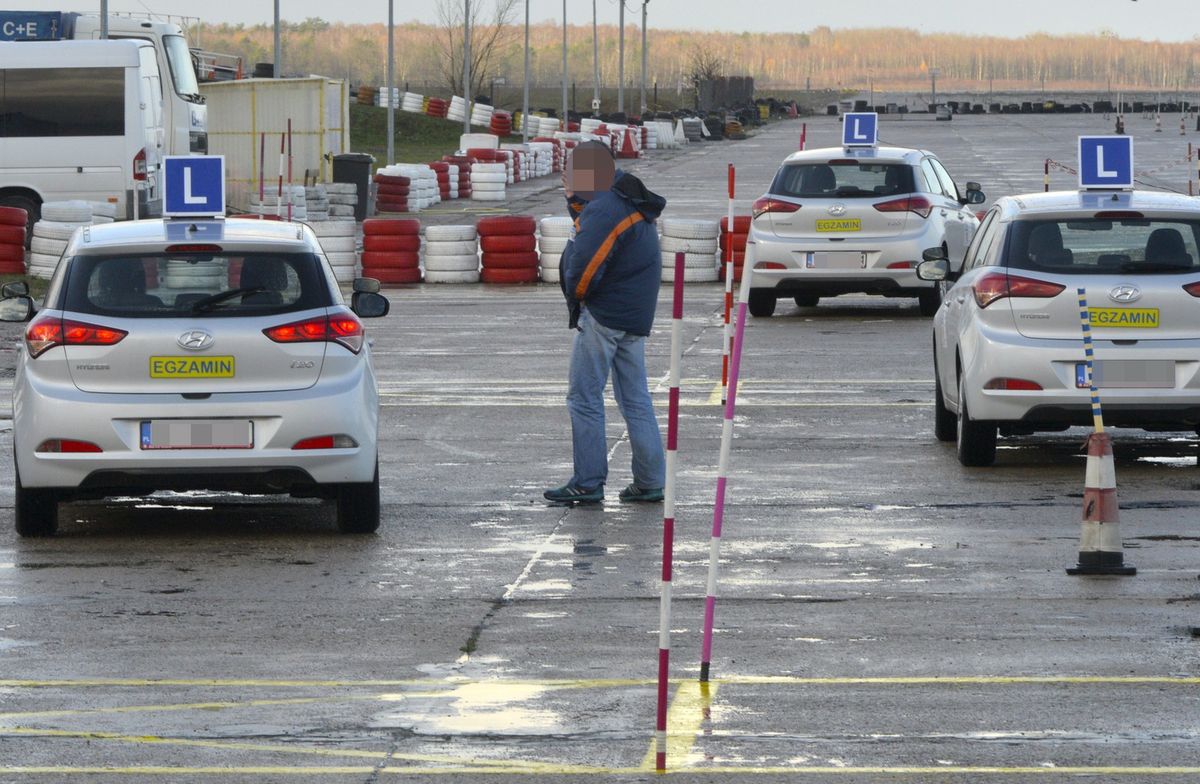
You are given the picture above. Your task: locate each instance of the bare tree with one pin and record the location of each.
(488, 39)
(703, 65)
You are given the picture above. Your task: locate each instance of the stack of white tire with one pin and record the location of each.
(554, 235)
(59, 221)
(547, 126)
(697, 239)
(488, 181)
(451, 254)
(589, 125)
(481, 114)
(316, 202)
(275, 202)
(458, 109)
(342, 197)
(381, 97)
(651, 136)
(103, 212)
(452, 180)
(337, 238)
(412, 102)
(542, 164)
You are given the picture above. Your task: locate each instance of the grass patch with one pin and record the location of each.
(419, 138)
(37, 286)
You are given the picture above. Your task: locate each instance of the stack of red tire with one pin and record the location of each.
(736, 238)
(392, 193)
(484, 155)
(442, 169)
(502, 124)
(509, 246)
(463, 163)
(437, 107)
(13, 222)
(392, 250)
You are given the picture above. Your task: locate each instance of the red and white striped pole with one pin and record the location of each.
(728, 333)
(803, 136)
(289, 150)
(714, 553)
(664, 612)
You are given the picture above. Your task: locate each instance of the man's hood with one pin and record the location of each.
(630, 188)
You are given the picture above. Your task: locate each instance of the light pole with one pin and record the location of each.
(621, 58)
(467, 65)
(525, 103)
(277, 70)
(391, 81)
(643, 107)
(565, 123)
(104, 18)
(595, 62)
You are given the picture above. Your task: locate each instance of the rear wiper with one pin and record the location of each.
(1142, 266)
(208, 303)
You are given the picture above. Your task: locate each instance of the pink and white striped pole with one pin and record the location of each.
(727, 337)
(664, 612)
(714, 554)
(289, 140)
(803, 136)
(262, 165)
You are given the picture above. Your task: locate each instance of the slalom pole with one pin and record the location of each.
(664, 613)
(289, 156)
(714, 554)
(1046, 176)
(1089, 354)
(728, 334)
(262, 165)
(279, 193)
(1189, 160)
(803, 136)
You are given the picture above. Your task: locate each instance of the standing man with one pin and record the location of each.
(610, 274)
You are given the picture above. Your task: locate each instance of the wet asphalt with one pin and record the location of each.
(883, 613)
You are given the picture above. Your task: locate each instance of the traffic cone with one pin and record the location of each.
(627, 149)
(1100, 538)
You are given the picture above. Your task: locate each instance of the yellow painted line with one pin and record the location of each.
(946, 770)
(714, 397)
(685, 717)
(186, 706)
(965, 680)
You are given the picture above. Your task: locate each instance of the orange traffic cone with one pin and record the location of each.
(1100, 539)
(627, 149)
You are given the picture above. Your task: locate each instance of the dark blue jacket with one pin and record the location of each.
(613, 266)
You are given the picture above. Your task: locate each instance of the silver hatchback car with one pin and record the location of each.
(213, 355)
(1008, 342)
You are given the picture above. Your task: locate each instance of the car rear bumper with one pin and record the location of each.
(344, 405)
(791, 273)
(996, 354)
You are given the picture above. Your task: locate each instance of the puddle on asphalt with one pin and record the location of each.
(485, 708)
(1176, 462)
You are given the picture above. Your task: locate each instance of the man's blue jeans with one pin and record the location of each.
(597, 349)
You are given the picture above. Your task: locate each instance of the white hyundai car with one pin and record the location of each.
(216, 355)
(856, 220)
(1008, 339)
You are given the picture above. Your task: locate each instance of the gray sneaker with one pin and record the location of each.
(643, 495)
(569, 494)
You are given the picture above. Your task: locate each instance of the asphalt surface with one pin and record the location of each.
(884, 614)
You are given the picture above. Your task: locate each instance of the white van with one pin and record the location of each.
(81, 120)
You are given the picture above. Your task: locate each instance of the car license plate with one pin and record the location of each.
(197, 434)
(1128, 318)
(191, 367)
(840, 225)
(835, 260)
(1128, 374)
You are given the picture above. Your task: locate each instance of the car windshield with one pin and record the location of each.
(182, 71)
(210, 284)
(1100, 246)
(843, 180)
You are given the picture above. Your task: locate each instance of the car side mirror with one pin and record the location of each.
(366, 285)
(975, 196)
(933, 269)
(16, 309)
(16, 288)
(934, 254)
(369, 304)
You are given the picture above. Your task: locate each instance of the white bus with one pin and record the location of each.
(81, 120)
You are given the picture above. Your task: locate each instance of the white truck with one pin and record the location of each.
(184, 114)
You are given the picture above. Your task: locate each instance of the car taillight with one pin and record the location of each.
(997, 285)
(340, 327)
(1193, 288)
(67, 446)
(915, 204)
(767, 204)
(769, 265)
(139, 165)
(44, 334)
(340, 441)
(902, 265)
(1018, 384)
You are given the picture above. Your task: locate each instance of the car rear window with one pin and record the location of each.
(212, 284)
(843, 180)
(1100, 246)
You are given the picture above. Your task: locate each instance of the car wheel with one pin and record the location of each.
(976, 441)
(945, 424)
(762, 303)
(806, 300)
(358, 506)
(36, 511)
(930, 301)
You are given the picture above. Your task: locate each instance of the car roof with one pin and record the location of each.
(147, 236)
(1074, 203)
(885, 154)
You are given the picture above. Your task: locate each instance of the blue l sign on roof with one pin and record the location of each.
(860, 129)
(193, 186)
(1106, 162)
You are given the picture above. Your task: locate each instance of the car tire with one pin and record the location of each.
(358, 506)
(806, 300)
(762, 303)
(36, 511)
(945, 424)
(976, 441)
(930, 301)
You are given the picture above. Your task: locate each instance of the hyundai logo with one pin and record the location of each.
(837, 210)
(1125, 293)
(195, 340)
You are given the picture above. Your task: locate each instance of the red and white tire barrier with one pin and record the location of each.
(392, 250)
(695, 238)
(12, 240)
(1100, 550)
(51, 234)
(508, 244)
(451, 254)
(555, 234)
(336, 237)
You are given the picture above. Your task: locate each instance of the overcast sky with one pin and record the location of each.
(1167, 20)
